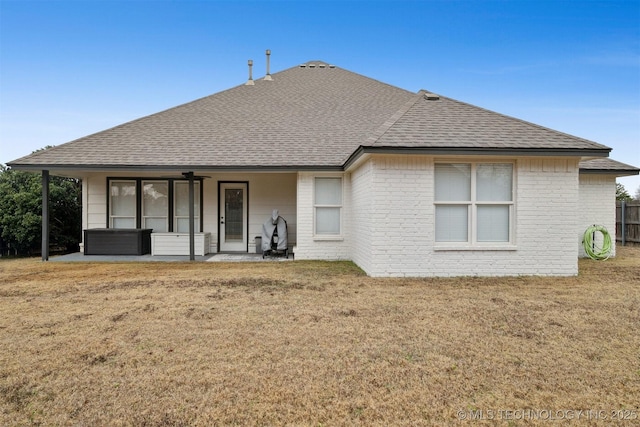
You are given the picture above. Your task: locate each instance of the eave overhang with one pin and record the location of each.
(473, 151)
(362, 150)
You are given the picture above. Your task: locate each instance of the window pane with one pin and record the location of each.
(452, 223)
(182, 198)
(493, 223)
(123, 222)
(327, 220)
(328, 191)
(182, 225)
(494, 182)
(123, 199)
(155, 198)
(159, 225)
(453, 182)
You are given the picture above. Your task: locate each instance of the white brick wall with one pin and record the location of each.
(402, 215)
(401, 220)
(597, 206)
(308, 246)
(361, 216)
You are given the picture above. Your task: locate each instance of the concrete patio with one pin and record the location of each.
(219, 257)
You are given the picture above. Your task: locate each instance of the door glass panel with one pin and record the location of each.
(233, 226)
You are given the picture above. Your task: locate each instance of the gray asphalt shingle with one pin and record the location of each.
(609, 165)
(314, 116)
(447, 123)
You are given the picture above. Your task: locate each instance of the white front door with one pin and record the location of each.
(233, 217)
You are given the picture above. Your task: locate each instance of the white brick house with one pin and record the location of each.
(401, 183)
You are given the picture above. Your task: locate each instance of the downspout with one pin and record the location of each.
(45, 215)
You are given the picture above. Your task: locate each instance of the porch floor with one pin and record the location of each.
(219, 257)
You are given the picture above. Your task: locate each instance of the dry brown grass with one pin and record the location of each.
(312, 343)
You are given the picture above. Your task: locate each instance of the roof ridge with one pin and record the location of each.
(382, 129)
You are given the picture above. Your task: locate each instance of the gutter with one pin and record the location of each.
(616, 172)
(165, 168)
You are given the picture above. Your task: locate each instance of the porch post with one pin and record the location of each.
(45, 215)
(192, 246)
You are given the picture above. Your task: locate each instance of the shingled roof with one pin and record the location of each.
(312, 116)
(607, 166)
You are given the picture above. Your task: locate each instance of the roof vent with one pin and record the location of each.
(268, 76)
(321, 65)
(303, 65)
(312, 65)
(431, 97)
(250, 82)
(332, 66)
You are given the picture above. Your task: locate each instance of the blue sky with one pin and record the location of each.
(71, 68)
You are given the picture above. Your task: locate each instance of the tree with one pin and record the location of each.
(637, 197)
(621, 193)
(21, 211)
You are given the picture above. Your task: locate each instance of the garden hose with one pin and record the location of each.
(591, 248)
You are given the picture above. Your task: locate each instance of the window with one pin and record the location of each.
(155, 205)
(181, 206)
(474, 202)
(122, 204)
(328, 206)
(159, 204)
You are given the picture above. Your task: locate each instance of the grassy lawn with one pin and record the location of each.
(314, 343)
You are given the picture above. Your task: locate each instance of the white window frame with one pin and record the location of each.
(197, 201)
(111, 215)
(339, 207)
(472, 210)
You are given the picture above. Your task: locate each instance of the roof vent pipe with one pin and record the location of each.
(250, 82)
(268, 76)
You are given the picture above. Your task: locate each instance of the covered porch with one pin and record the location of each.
(194, 214)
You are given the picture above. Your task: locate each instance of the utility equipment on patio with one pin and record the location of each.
(117, 241)
(274, 236)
